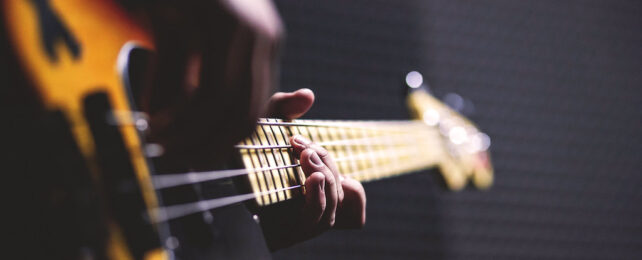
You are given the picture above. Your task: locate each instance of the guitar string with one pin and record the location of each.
(347, 124)
(167, 213)
(345, 142)
(177, 179)
(175, 211)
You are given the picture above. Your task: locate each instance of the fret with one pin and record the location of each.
(288, 154)
(349, 149)
(296, 130)
(363, 150)
(294, 173)
(384, 153)
(284, 154)
(255, 183)
(334, 151)
(413, 160)
(361, 165)
(417, 161)
(276, 157)
(342, 151)
(374, 169)
(255, 162)
(283, 157)
(271, 159)
(313, 133)
(371, 173)
(269, 175)
(394, 159)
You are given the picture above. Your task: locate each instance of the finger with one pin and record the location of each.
(300, 143)
(290, 105)
(351, 212)
(314, 199)
(311, 163)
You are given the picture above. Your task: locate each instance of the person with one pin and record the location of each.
(216, 65)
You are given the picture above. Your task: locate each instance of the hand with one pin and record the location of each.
(331, 200)
(213, 72)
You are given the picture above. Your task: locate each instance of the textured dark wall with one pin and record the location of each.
(556, 84)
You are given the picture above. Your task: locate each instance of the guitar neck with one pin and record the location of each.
(362, 150)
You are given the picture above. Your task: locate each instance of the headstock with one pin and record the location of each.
(464, 152)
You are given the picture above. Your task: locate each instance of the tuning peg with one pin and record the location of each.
(460, 104)
(415, 81)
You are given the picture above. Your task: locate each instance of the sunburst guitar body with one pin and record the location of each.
(74, 54)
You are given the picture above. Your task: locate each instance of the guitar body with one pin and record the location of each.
(77, 58)
(69, 53)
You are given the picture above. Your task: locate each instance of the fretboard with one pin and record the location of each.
(362, 150)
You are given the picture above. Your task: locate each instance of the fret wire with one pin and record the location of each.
(367, 153)
(366, 174)
(349, 150)
(370, 156)
(383, 160)
(254, 162)
(269, 178)
(306, 132)
(312, 133)
(375, 149)
(323, 136)
(271, 160)
(253, 177)
(394, 159)
(373, 160)
(264, 175)
(296, 131)
(402, 153)
(285, 135)
(333, 134)
(411, 164)
(360, 150)
(163, 181)
(284, 173)
(270, 137)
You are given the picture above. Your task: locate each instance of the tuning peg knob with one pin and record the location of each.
(415, 81)
(460, 104)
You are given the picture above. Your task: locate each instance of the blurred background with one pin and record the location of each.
(556, 84)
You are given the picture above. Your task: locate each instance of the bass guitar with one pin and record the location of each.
(93, 191)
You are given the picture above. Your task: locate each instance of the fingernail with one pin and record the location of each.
(322, 185)
(300, 140)
(315, 159)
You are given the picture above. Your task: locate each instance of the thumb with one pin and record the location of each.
(290, 105)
